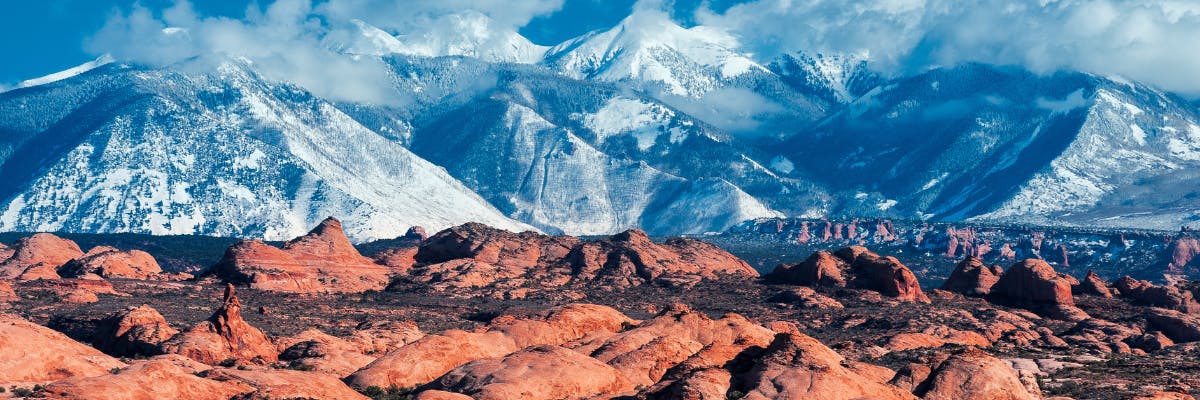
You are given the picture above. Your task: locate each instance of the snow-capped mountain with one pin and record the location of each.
(983, 142)
(467, 33)
(645, 125)
(125, 149)
(583, 158)
(698, 69)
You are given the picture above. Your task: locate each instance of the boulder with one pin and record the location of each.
(1035, 285)
(474, 256)
(887, 276)
(1179, 327)
(158, 378)
(316, 351)
(109, 262)
(433, 355)
(323, 261)
(224, 336)
(974, 375)
(677, 335)
(820, 269)
(1093, 285)
(38, 257)
(807, 298)
(972, 277)
(1147, 294)
(31, 353)
(796, 366)
(539, 372)
(133, 331)
(286, 384)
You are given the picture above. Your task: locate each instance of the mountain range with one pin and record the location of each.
(647, 124)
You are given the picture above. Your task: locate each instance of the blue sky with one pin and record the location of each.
(1152, 41)
(49, 35)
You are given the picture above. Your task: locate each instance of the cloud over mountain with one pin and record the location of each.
(1145, 40)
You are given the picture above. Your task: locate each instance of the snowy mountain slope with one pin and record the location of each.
(468, 33)
(835, 78)
(223, 153)
(551, 177)
(698, 70)
(623, 125)
(988, 142)
(67, 73)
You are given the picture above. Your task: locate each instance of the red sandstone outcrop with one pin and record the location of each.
(1177, 326)
(541, 372)
(796, 366)
(806, 297)
(109, 262)
(225, 335)
(885, 275)
(322, 261)
(133, 331)
(1093, 285)
(286, 384)
(321, 352)
(31, 353)
(820, 269)
(75, 291)
(6, 291)
(38, 257)
(474, 256)
(157, 378)
(428, 358)
(1033, 283)
(1148, 294)
(971, 277)
(678, 334)
(974, 375)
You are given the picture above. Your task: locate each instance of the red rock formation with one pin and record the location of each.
(1092, 284)
(974, 375)
(1064, 257)
(434, 355)
(416, 233)
(820, 269)
(321, 261)
(541, 372)
(133, 331)
(1007, 252)
(38, 256)
(837, 231)
(286, 384)
(158, 378)
(109, 262)
(972, 277)
(1148, 294)
(31, 353)
(1033, 283)
(796, 366)
(1179, 327)
(474, 255)
(677, 335)
(826, 235)
(6, 291)
(224, 336)
(1183, 250)
(885, 275)
(804, 237)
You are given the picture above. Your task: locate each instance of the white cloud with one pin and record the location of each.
(1152, 41)
(285, 41)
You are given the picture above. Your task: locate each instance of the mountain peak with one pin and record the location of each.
(648, 47)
